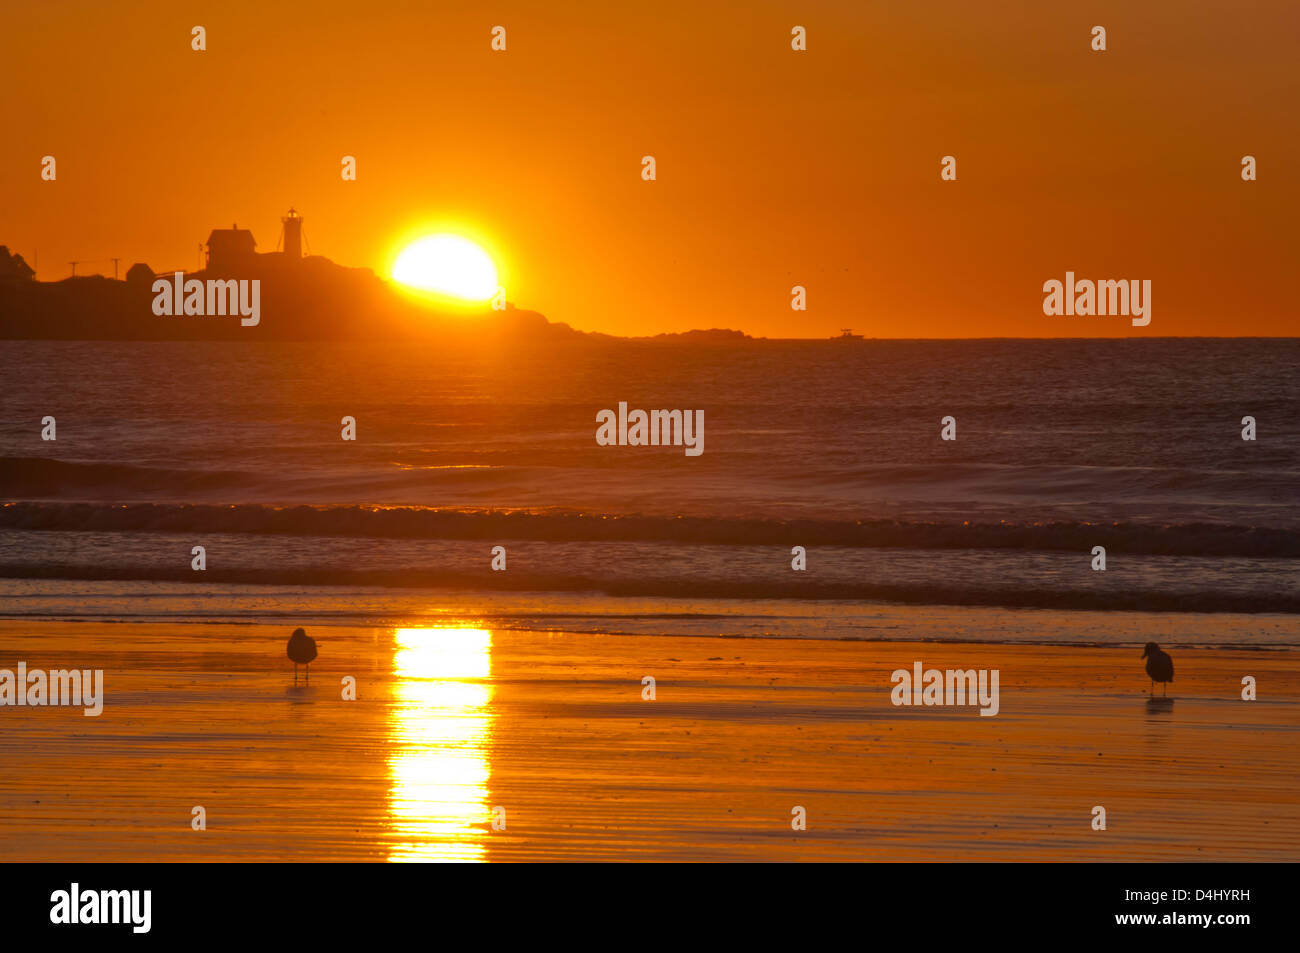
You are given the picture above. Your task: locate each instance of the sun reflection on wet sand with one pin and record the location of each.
(441, 724)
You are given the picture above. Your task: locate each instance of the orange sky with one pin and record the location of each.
(775, 168)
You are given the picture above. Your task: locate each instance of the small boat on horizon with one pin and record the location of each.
(846, 334)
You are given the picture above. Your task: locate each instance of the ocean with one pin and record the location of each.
(1061, 446)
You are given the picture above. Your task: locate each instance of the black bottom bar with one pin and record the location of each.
(1224, 903)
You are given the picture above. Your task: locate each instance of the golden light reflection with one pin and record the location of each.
(441, 726)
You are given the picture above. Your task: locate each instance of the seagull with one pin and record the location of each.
(302, 649)
(1159, 666)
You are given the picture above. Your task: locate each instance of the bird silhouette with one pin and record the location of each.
(302, 649)
(1159, 666)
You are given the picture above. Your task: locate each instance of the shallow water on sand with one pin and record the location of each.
(590, 612)
(451, 724)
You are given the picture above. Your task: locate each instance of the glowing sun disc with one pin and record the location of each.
(447, 265)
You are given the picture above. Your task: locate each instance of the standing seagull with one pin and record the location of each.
(1159, 665)
(302, 649)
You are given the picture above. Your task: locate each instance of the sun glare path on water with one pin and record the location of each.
(440, 736)
(447, 265)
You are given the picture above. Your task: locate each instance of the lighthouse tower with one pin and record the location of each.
(292, 234)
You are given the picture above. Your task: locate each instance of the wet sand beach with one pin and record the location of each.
(550, 727)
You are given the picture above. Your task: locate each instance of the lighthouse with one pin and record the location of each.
(292, 234)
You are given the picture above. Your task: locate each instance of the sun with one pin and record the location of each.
(447, 265)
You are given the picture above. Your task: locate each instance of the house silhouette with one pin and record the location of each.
(230, 248)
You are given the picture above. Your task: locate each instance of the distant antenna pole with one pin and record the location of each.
(74, 265)
(200, 256)
(115, 261)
